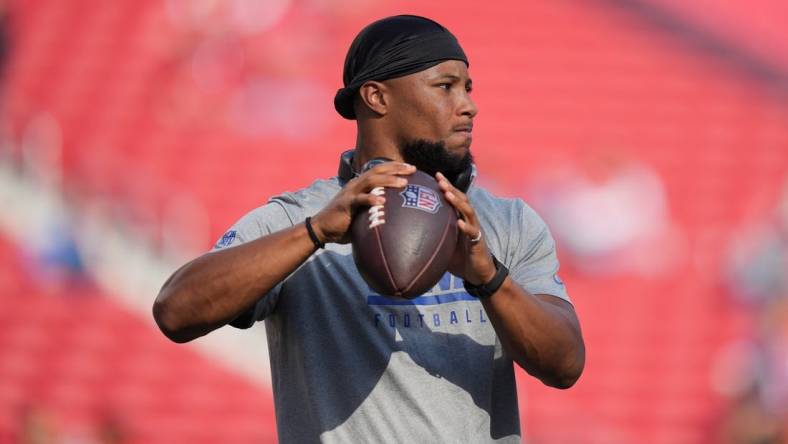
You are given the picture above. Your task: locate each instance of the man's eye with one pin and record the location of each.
(445, 85)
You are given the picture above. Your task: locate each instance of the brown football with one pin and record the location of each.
(402, 248)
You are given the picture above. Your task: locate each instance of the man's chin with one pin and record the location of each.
(459, 142)
(459, 150)
(431, 157)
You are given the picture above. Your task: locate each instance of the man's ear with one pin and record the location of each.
(373, 96)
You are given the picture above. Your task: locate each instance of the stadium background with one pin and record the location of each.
(651, 134)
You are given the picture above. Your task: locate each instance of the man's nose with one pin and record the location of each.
(468, 107)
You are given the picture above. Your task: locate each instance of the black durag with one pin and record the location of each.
(394, 47)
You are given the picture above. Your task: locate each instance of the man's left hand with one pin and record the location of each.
(472, 260)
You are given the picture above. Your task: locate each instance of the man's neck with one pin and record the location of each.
(371, 144)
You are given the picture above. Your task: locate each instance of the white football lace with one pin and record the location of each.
(376, 211)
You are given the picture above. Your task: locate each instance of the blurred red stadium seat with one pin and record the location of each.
(553, 80)
(76, 353)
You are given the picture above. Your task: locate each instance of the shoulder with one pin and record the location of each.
(497, 209)
(512, 227)
(484, 200)
(300, 203)
(290, 207)
(316, 193)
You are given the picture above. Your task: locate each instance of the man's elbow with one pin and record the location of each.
(563, 381)
(168, 321)
(568, 374)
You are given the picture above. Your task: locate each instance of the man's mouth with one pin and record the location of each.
(464, 128)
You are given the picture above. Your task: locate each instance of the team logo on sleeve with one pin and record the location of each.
(227, 239)
(421, 198)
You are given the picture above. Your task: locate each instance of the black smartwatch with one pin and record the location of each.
(484, 291)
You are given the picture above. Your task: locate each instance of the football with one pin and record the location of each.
(402, 248)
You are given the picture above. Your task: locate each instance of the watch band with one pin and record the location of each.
(484, 291)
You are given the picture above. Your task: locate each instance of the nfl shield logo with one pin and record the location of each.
(227, 239)
(421, 198)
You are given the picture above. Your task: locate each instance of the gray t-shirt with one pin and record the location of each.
(349, 365)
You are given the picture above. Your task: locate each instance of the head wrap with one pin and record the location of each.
(394, 47)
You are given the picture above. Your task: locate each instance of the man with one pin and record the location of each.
(351, 366)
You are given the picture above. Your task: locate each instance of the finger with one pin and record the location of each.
(443, 182)
(367, 200)
(445, 185)
(467, 229)
(463, 206)
(383, 180)
(472, 233)
(398, 168)
(388, 174)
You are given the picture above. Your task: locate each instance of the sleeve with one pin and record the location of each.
(260, 222)
(535, 264)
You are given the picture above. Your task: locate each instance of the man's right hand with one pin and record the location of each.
(332, 223)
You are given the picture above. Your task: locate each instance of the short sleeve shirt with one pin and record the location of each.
(350, 365)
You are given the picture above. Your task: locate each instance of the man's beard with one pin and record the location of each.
(432, 157)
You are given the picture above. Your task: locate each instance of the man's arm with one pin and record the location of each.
(540, 332)
(215, 288)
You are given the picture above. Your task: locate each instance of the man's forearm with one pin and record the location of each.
(213, 289)
(541, 333)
